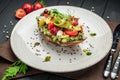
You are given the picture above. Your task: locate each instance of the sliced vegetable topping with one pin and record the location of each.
(46, 15)
(41, 22)
(74, 21)
(52, 28)
(71, 33)
(60, 27)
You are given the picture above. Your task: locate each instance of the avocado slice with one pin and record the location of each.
(62, 23)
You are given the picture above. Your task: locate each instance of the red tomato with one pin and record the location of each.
(74, 22)
(37, 5)
(20, 13)
(52, 28)
(71, 33)
(27, 7)
(46, 15)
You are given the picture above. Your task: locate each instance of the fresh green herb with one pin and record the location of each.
(47, 58)
(87, 52)
(36, 44)
(56, 13)
(17, 67)
(92, 34)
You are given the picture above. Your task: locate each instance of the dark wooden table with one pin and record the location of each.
(108, 9)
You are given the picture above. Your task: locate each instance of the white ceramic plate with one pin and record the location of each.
(63, 59)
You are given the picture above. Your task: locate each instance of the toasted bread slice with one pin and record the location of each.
(62, 25)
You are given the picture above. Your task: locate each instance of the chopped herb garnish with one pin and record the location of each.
(56, 13)
(17, 67)
(47, 58)
(36, 44)
(87, 52)
(92, 34)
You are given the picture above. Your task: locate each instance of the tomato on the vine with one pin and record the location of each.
(27, 7)
(37, 5)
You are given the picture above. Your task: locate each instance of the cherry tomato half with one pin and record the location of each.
(20, 13)
(52, 28)
(71, 33)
